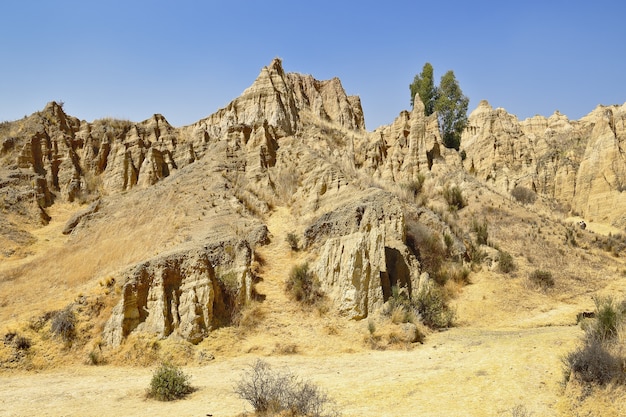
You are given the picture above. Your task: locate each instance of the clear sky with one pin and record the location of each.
(186, 59)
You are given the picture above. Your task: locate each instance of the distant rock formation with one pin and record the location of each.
(581, 164)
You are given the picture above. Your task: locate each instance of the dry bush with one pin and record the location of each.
(63, 324)
(523, 195)
(541, 279)
(454, 198)
(271, 392)
(593, 363)
(303, 285)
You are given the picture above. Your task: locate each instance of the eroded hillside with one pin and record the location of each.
(170, 243)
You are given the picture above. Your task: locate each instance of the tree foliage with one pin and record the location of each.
(424, 85)
(447, 100)
(451, 108)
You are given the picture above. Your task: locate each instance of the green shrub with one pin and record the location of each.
(454, 197)
(523, 195)
(303, 286)
(542, 279)
(63, 324)
(293, 241)
(608, 317)
(169, 383)
(505, 262)
(481, 230)
(270, 392)
(593, 363)
(432, 307)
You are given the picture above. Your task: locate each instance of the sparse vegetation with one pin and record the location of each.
(169, 383)
(63, 324)
(506, 263)
(523, 195)
(593, 363)
(454, 197)
(271, 392)
(303, 285)
(293, 241)
(598, 360)
(542, 279)
(482, 231)
(431, 305)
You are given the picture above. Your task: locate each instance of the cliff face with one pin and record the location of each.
(580, 164)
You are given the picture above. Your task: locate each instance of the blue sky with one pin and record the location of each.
(186, 59)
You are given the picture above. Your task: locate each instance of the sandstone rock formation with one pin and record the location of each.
(581, 164)
(362, 254)
(185, 294)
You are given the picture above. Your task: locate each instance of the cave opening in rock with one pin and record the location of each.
(397, 275)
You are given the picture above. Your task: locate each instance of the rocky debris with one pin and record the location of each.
(580, 163)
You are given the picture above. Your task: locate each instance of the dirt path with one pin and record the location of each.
(278, 261)
(468, 372)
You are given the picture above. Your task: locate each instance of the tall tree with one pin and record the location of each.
(424, 84)
(451, 107)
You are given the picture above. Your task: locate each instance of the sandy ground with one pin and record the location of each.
(471, 372)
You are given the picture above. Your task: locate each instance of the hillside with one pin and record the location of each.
(172, 243)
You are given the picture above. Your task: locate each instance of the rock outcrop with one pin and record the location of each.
(183, 294)
(410, 146)
(581, 164)
(362, 254)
